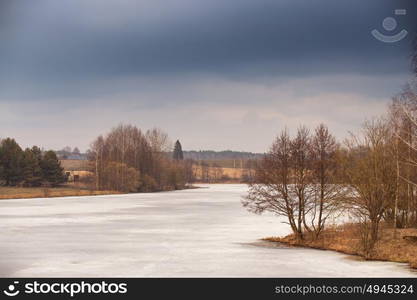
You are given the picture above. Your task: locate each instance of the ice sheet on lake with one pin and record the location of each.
(201, 232)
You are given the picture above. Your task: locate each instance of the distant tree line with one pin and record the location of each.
(71, 153)
(31, 167)
(128, 160)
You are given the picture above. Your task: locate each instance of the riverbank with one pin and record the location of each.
(43, 192)
(346, 239)
(63, 191)
(187, 233)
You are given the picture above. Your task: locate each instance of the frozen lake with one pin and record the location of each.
(201, 232)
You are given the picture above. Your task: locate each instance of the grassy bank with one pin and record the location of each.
(346, 239)
(41, 192)
(64, 191)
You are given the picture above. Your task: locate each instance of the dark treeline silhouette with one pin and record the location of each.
(71, 153)
(30, 167)
(128, 160)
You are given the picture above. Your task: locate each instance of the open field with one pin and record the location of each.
(75, 165)
(227, 163)
(345, 239)
(236, 173)
(41, 192)
(214, 172)
(221, 174)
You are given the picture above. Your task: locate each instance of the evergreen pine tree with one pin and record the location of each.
(178, 154)
(52, 171)
(32, 172)
(11, 162)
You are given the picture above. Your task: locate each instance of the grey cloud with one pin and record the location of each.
(54, 47)
(215, 73)
(215, 122)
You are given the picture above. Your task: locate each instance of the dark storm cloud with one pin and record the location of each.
(214, 73)
(52, 48)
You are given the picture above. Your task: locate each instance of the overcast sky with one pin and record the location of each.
(216, 74)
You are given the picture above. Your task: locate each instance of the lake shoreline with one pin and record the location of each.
(343, 239)
(16, 193)
(201, 232)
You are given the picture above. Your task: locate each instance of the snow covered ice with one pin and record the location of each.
(199, 232)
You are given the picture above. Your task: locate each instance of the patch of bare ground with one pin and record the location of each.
(346, 239)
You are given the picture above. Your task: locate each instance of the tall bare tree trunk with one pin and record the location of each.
(397, 189)
(410, 141)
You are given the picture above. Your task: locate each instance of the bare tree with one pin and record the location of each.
(370, 172)
(301, 174)
(327, 189)
(403, 117)
(126, 149)
(160, 145)
(97, 148)
(272, 189)
(158, 140)
(216, 173)
(205, 171)
(189, 170)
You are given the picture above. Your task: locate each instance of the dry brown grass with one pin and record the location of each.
(234, 174)
(345, 239)
(40, 192)
(75, 165)
(397, 249)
